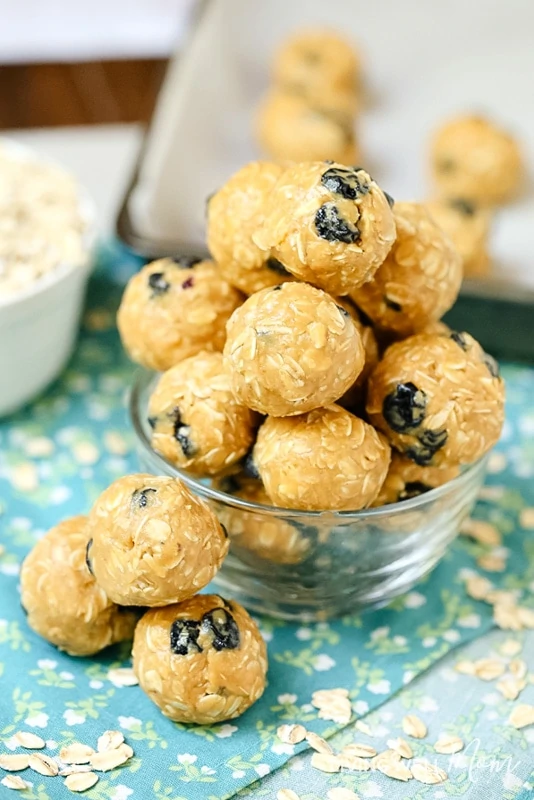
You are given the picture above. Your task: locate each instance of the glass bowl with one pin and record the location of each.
(313, 565)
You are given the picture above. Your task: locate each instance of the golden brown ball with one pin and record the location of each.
(467, 226)
(406, 479)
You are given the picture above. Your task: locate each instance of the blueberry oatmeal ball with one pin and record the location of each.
(325, 459)
(63, 602)
(328, 224)
(354, 398)
(419, 279)
(153, 542)
(290, 349)
(201, 661)
(173, 309)
(406, 479)
(468, 227)
(235, 212)
(289, 129)
(439, 399)
(269, 537)
(474, 159)
(196, 421)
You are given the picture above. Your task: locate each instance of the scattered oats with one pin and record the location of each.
(465, 667)
(487, 669)
(126, 749)
(318, 743)
(522, 715)
(14, 763)
(291, 734)
(510, 688)
(354, 763)
(526, 616)
(501, 597)
(414, 727)
(24, 477)
(14, 782)
(510, 648)
(395, 769)
(122, 676)
(491, 562)
(447, 744)
(357, 749)
(341, 793)
(76, 753)
(81, 781)
(110, 759)
(287, 794)
(526, 518)
(383, 757)
(44, 765)
(29, 740)
(363, 727)
(518, 668)
(75, 769)
(340, 713)
(478, 587)
(325, 762)
(333, 704)
(109, 740)
(483, 532)
(425, 772)
(401, 747)
(507, 617)
(325, 696)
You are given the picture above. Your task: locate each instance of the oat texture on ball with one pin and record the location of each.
(63, 602)
(329, 224)
(153, 541)
(196, 421)
(235, 212)
(290, 349)
(201, 661)
(325, 459)
(406, 479)
(439, 399)
(420, 278)
(474, 159)
(468, 227)
(173, 309)
(354, 398)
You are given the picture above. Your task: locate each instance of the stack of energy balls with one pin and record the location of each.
(310, 111)
(335, 360)
(133, 568)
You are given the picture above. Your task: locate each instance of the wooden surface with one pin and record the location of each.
(43, 95)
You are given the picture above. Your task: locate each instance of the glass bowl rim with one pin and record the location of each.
(141, 379)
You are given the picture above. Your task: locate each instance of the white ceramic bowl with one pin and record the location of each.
(39, 326)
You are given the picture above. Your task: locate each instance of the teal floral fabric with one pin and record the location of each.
(59, 453)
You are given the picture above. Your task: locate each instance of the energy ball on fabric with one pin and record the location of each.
(468, 227)
(267, 536)
(173, 309)
(291, 349)
(476, 160)
(235, 212)
(439, 399)
(290, 129)
(420, 278)
(62, 599)
(326, 459)
(196, 421)
(201, 661)
(406, 479)
(328, 224)
(354, 398)
(153, 542)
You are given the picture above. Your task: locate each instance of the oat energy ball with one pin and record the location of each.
(196, 421)
(439, 399)
(201, 661)
(173, 309)
(328, 224)
(290, 129)
(153, 541)
(476, 160)
(406, 479)
(291, 349)
(235, 212)
(269, 537)
(468, 226)
(62, 599)
(326, 459)
(420, 278)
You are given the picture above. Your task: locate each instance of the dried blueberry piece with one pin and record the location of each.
(158, 284)
(222, 627)
(364, 319)
(429, 442)
(224, 530)
(184, 637)
(491, 364)
(463, 206)
(460, 340)
(345, 182)
(392, 304)
(141, 497)
(152, 421)
(186, 262)
(276, 266)
(24, 610)
(277, 288)
(249, 467)
(181, 434)
(391, 201)
(413, 489)
(230, 484)
(404, 408)
(445, 165)
(88, 557)
(188, 283)
(332, 227)
(343, 311)
(226, 603)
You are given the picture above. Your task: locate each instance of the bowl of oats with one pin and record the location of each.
(46, 238)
